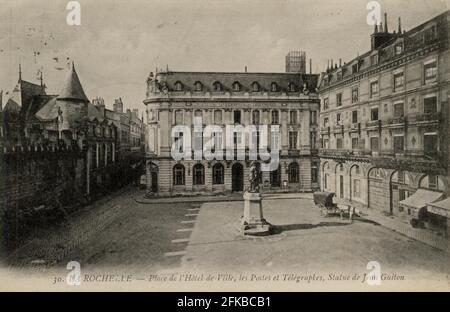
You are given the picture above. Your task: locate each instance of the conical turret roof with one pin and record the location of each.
(72, 89)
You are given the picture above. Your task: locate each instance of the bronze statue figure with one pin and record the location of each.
(254, 178)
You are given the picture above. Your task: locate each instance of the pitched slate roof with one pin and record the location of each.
(246, 80)
(72, 89)
(22, 96)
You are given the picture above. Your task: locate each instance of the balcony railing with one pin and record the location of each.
(429, 117)
(397, 121)
(373, 123)
(344, 152)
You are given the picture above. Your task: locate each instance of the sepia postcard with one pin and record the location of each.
(225, 145)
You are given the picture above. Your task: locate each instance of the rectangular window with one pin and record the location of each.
(430, 105)
(430, 72)
(338, 118)
(354, 116)
(198, 141)
(432, 182)
(355, 95)
(402, 194)
(398, 110)
(374, 113)
(374, 59)
(325, 103)
(218, 117)
(374, 144)
(275, 140)
(326, 144)
(430, 144)
(339, 99)
(179, 142)
(275, 117)
(217, 139)
(355, 143)
(313, 119)
(339, 143)
(179, 117)
(312, 138)
(314, 175)
(399, 144)
(292, 140)
(356, 188)
(399, 81)
(237, 138)
(293, 117)
(374, 89)
(398, 49)
(237, 116)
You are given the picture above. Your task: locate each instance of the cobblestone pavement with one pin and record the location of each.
(115, 232)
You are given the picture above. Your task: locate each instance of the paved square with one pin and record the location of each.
(305, 242)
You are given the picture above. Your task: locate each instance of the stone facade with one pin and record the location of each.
(286, 100)
(384, 122)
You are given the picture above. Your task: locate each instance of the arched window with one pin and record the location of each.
(291, 87)
(218, 174)
(255, 117)
(217, 86)
(178, 174)
(236, 86)
(255, 86)
(293, 173)
(198, 177)
(198, 86)
(178, 86)
(273, 87)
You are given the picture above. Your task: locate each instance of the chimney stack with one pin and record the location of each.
(310, 66)
(400, 25)
(340, 62)
(385, 23)
(245, 68)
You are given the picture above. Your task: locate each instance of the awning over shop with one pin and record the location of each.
(441, 207)
(421, 198)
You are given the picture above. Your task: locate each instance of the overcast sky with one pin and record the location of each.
(120, 42)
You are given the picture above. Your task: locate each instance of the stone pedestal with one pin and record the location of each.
(253, 222)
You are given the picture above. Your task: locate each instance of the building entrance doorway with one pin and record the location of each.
(237, 178)
(154, 182)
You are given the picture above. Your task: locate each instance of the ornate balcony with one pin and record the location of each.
(432, 162)
(344, 153)
(373, 123)
(429, 117)
(397, 121)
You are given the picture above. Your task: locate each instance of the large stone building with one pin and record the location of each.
(287, 100)
(384, 125)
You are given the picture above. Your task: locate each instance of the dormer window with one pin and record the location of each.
(374, 59)
(291, 87)
(178, 86)
(236, 86)
(398, 48)
(273, 87)
(255, 86)
(217, 86)
(198, 86)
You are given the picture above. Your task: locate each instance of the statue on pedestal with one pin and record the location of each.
(253, 220)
